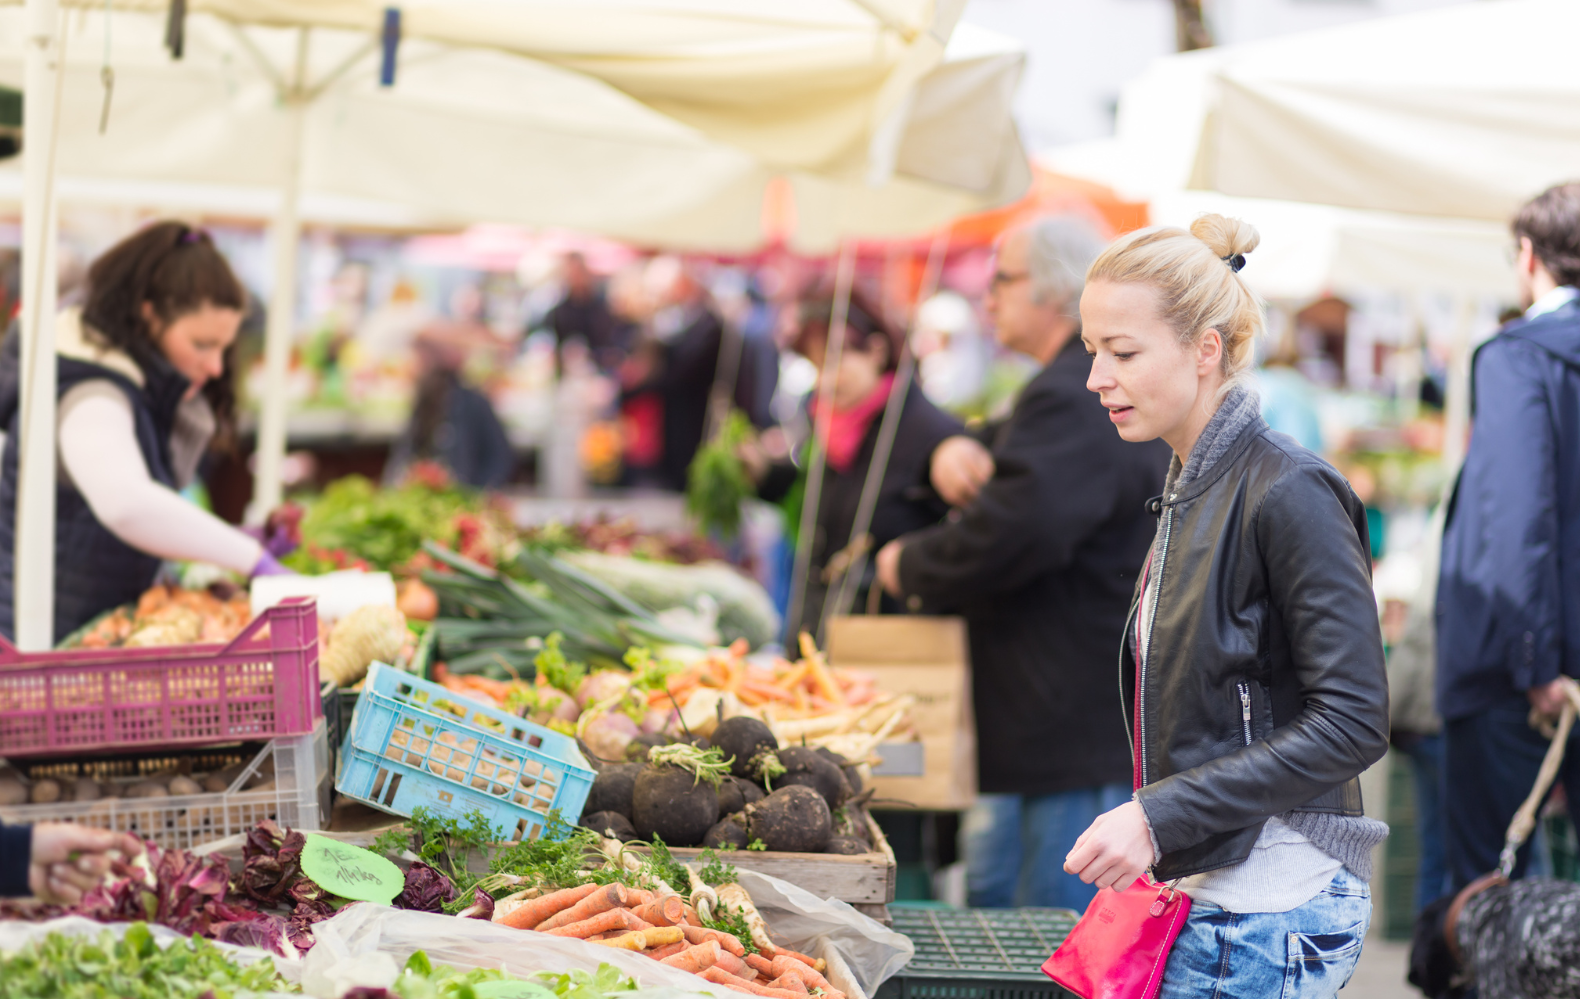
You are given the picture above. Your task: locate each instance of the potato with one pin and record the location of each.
(214, 784)
(86, 789)
(184, 785)
(12, 791)
(148, 789)
(45, 792)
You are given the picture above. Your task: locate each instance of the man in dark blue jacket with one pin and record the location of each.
(1508, 600)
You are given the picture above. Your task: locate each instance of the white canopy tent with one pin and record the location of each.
(1463, 111)
(657, 124)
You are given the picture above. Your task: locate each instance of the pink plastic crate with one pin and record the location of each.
(261, 685)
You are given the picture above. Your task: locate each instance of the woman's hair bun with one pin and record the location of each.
(1226, 237)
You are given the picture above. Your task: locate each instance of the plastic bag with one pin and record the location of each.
(15, 935)
(801, 921)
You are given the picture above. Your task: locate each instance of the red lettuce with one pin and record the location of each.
(426, 890)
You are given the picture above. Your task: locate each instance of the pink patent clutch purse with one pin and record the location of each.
(1120, 948)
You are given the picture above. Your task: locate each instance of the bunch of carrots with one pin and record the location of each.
(794, 690)
(667, 929)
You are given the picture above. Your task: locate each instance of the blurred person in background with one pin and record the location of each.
(952, 355)
(1508, 598)
(688, 334)
(851, 403)
(144, 391)
(1042, 562)
(584, 312)
(452, 424)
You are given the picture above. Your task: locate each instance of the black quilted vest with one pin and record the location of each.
(94, 570)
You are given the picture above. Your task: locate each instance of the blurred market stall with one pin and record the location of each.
(643, 147)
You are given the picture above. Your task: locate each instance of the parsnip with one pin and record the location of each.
(367, 635)
(734, 898)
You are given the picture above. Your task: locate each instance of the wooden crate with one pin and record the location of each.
(927, 658)
(862, 879)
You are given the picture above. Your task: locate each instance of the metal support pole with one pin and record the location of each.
(34, 566)
(286, 237)
(844, 278)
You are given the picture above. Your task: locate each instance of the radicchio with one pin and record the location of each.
(183, 885)
(426, 890)
(272, 863)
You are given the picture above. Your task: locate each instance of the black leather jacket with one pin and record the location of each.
(1265, 688)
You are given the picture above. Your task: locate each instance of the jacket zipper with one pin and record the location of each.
(1245, 709)
(1146, 653)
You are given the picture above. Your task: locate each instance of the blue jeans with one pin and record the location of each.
(1015, 846)
(1308, 952)
(1426, 758)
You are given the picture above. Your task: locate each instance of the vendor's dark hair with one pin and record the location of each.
(863, 323)
(177, 270)
(1551, 221)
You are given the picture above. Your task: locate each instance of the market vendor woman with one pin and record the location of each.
(143, 392)
(856, 398)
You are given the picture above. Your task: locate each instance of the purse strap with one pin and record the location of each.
(1524, 820)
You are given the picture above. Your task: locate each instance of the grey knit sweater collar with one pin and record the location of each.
(1240, 408)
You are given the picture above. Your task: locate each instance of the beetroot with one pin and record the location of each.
(795, 819)
(671, 803)
(613, 788)
(808, 768)
(730, 831)
(744, 740)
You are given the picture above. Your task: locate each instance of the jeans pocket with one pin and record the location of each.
(1320, 964)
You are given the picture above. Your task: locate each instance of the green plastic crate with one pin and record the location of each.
(978, 953)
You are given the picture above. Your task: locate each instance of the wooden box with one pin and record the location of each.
(927, 658)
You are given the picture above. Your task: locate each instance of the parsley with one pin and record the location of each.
(713, 871)
(734, 924)
(667, 869)
(556, 669)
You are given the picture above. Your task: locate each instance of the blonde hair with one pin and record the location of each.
(1196, 274)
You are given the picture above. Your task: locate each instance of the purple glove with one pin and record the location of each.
(268, 565)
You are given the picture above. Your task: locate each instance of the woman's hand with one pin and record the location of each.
(1115, 850)
(888, 566)
(69, 859)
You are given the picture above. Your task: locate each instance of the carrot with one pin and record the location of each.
(734, 965)
(600, 899)
(633, 940)
(697, 935)
(761, 965)
(528, 915)
(765, 690)
(720, 977)
(790, 982)
(782, 963)
(694, 959)
(667, 911)
(658, 936)
(692, 919)
(668, 950)
(609, 919)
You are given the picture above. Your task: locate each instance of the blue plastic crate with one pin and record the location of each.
(411, 743)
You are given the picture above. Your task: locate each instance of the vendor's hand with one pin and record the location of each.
(69, 859)
(960, 468)
(888, 567)
(1549, 699)
(268, 565)
(1115, 850)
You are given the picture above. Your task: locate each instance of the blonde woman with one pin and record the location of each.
(1252, 666)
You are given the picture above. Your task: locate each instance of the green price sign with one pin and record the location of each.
(350, 871)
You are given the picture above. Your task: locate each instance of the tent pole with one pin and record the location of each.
(840, 598)
(34, 553)
(1456, 397)
(286, 237)
(844, 278)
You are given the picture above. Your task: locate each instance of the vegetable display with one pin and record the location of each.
(169, 615)
(132, 967)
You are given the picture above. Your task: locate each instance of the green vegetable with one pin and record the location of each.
(716, 482)
(386, 527)
(421, 980)
(133, 967)
(756, 844)
(496, 622)
(556, 669)
(669, 870)
(713, 871)
(733, 923)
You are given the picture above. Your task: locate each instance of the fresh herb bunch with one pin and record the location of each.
(557, 859)
(716, 482)
(385, 527)
(667, 869)
(732, 922)
(445, 845)
(133, 967)
(555, 669)
(714, 871)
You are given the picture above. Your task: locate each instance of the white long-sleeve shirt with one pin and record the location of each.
(99, 453)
